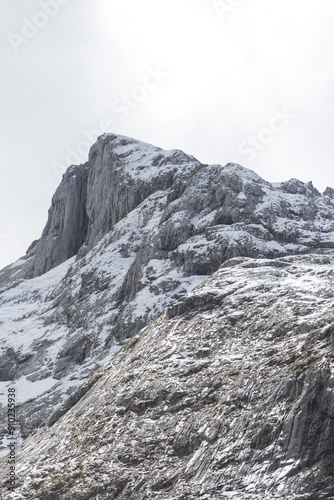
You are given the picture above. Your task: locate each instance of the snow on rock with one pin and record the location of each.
(128, 233)
(227, 395)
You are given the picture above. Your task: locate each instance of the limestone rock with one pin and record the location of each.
(129, 233)
(228, 398)
(67, 225)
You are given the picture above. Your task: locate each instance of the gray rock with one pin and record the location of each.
(329, 192)
(67, 225)
(228, 399)
(129, 234)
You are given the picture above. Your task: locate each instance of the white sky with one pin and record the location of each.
(228, 70)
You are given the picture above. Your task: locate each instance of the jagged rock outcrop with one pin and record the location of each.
(130, 232)
(228, 395)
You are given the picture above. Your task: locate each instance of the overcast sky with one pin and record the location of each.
(249, 81)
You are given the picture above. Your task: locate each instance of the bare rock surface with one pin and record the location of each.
(230, 394)
(129, 233)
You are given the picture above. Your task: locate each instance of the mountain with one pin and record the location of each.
(128, 233)
(228, 395)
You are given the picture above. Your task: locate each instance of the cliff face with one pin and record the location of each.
(67, 224)
(128, 233)
(230, 394)
(123, 174)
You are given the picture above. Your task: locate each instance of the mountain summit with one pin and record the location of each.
(129, 235)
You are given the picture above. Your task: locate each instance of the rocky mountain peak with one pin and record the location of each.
(129, 234)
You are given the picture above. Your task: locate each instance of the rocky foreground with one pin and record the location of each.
(229, 394)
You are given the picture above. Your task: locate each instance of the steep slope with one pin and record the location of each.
(129, 232)
(230, 394)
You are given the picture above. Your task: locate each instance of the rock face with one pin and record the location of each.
(123, 174)
(67, 224)
(128, 233)
(230, 394)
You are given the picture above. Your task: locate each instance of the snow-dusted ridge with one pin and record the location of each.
(128, 233)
